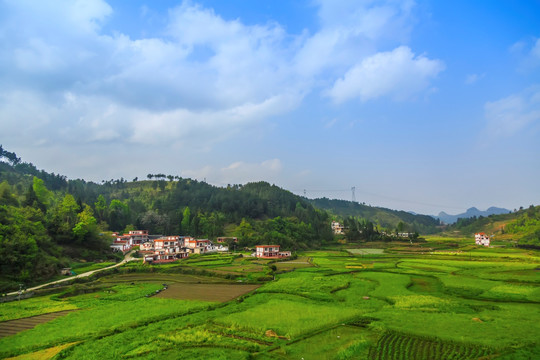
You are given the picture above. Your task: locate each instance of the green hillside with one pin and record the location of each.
(522, 226)
(48, 221)
(384, 217)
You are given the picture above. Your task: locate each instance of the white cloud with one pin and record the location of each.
(398, 73)
(331, 123)
(510, 115)
(528, 52)
(473, 78)
(535, 51)
(372, 19)
(72, 80)
(351, 30)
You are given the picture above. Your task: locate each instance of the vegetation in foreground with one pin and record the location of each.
(445, 302)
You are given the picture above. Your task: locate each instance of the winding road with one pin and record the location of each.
(127, 258)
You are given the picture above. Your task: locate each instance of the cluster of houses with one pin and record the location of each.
(481, 239)
(161, 249)
(158, 249)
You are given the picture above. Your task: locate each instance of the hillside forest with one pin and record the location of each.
(47, 220)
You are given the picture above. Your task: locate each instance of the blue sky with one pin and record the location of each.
(423, 106)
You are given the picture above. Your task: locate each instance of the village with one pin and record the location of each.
(159, 249)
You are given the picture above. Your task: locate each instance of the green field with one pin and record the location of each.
(444, 302)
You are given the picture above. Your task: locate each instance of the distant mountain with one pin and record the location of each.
(471, 212)
(522, 226)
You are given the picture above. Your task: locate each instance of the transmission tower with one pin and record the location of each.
(353, 189)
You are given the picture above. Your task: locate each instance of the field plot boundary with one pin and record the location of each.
(366, 251)
(12, 327)
(206, 292)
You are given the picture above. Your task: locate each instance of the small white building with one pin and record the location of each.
(337, 228)
(270, 252)
(481, 239)
(121, 246)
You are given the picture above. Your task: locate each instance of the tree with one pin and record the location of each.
(101, 207)
(10, 156)
(154, 222)
(21, 231)
(86, 231)
(6, 196)
(186, 221)
(43, 194)
(65, 218)
(245, 232)
(118, 215)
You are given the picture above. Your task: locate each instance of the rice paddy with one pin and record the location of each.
(368, 304)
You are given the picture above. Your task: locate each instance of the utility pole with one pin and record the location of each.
(20, 292)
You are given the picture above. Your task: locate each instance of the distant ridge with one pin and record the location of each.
(471, 212)
(385, 217)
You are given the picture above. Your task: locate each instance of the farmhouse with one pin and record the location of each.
(165, 249)
(121, 246)
(167, 242)
(337, 228)
(481, 239)
(270, 252)
(137, 237)
(202, 245)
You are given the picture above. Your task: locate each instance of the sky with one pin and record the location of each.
(422, 106)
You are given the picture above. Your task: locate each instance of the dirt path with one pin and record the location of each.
(127, 258)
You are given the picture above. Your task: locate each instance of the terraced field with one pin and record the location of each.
(12, 327)
(335, 305)
(402, 347)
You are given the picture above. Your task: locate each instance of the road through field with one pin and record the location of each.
(127, 258)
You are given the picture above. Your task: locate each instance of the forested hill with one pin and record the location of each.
(47, 221)
(522, 226)
(385, 217)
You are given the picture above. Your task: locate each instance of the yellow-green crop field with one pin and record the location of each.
(446, 303)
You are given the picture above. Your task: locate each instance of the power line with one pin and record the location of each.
(353, 197)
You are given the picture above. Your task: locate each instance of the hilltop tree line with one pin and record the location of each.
(46, 220)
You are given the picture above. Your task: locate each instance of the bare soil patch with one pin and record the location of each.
(206, 292)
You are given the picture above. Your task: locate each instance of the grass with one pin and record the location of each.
(33, 306)
(44, 354)
(366, 251)
(302, 316)
(81, 268)
(457, 302)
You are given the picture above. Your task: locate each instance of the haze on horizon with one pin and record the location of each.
(423, 106)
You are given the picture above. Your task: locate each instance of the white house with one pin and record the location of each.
(481, 239)
(270, 252)
(337, 228)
